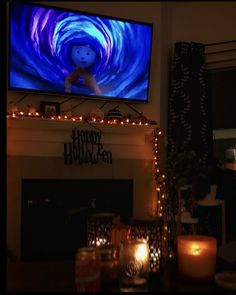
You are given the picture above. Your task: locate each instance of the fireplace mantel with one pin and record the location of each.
(46, 137)
(35, 149)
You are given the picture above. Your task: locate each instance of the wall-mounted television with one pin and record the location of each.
(60, 51)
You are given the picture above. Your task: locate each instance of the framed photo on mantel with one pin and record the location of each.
(50, 108)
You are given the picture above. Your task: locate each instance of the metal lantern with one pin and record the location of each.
(150, 230)
(99, 228)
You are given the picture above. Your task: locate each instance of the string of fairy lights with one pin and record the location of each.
(80, 118)
(160, 179)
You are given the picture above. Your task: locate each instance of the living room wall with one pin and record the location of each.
(205, 22)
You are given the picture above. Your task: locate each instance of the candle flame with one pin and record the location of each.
(195, 250)
(141, 252)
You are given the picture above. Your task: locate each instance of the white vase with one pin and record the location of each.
(212, 195)
(213, 190)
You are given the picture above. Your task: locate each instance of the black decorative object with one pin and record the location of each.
(86, 147)
(49, 108)
(114, 114)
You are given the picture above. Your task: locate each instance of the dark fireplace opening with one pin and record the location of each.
(54, 213)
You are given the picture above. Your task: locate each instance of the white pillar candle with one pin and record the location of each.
(196, 256)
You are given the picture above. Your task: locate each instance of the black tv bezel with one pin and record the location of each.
(74, 95)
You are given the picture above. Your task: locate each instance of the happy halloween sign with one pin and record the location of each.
(86, 147)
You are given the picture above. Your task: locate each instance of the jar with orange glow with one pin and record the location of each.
(87, 270)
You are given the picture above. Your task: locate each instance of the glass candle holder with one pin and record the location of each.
(134, 265)
(196, 256)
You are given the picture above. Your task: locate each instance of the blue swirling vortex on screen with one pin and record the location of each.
(41, 40)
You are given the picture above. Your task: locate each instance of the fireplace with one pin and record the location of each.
(54, 213)
(35, 148)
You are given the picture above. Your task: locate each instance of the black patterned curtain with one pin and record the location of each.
(189, 118)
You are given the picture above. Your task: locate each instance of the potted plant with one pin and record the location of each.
(210, 176)
(189, 180)
(186, 169)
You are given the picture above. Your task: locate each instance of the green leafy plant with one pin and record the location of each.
(187, 169)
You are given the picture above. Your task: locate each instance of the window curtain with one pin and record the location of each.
(189, 112)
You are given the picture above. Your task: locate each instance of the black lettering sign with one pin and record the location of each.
(86, 147)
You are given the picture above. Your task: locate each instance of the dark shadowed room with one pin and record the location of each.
(121, 146)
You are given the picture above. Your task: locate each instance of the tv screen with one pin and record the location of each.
(59, 51)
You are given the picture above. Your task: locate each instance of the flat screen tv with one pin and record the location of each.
(60, 51)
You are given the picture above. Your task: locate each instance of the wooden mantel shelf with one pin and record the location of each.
(46, 137)
(64, 125)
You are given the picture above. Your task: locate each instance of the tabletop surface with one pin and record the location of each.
(58, 276)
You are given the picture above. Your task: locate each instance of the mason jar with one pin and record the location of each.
(109, 268)
(87, 270)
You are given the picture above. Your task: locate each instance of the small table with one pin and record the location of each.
(213, 203)
(59, 277)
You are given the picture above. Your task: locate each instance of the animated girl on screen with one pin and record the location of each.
(83, 57)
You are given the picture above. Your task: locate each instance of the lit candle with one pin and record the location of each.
(141, 253)
(134, 265)
(196, 256)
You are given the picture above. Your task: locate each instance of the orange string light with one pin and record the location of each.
(160, 189)
(128, 121)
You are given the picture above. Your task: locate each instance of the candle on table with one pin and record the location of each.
(134, 265)
(196, 256)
